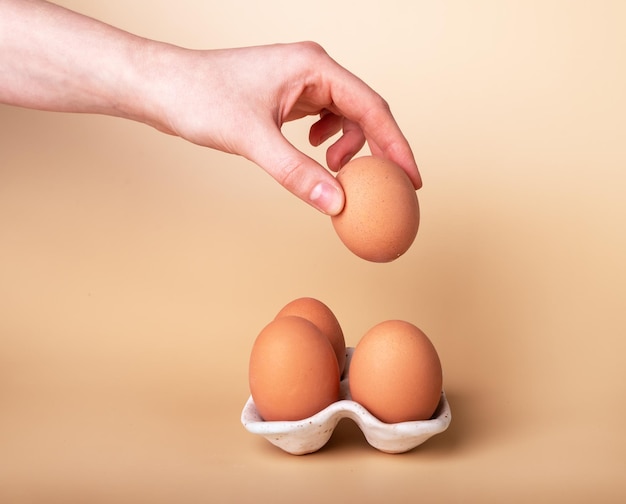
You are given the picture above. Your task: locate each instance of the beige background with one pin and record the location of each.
(137, 269)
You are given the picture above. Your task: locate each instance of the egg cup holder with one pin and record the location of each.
(309, 435)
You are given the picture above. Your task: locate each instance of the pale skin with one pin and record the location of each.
(232, 100)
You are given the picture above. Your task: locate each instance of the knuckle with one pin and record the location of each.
(290, 173)
(312, 47)
(309, 52)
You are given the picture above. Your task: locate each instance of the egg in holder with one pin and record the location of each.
(310, 434)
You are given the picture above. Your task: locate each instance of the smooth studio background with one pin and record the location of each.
(137, 269)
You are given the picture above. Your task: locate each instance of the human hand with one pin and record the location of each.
(234, 100)
(237, 100)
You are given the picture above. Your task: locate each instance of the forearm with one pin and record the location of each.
(55, 59)
(234, 100)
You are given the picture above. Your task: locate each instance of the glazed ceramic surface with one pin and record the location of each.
(311, 434)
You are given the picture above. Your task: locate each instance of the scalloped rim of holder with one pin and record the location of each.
(310, 434)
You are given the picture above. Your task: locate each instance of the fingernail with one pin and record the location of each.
(326, 198)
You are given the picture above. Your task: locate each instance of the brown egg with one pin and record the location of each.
(293, 371)
(322, 316)
(395, 373)
(381, 215)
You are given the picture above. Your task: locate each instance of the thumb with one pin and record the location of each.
(298, 173)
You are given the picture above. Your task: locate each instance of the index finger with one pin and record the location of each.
(356, 101)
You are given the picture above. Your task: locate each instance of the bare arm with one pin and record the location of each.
(54, 59)
(233, 100)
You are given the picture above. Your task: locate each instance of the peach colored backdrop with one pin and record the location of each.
(136, 269)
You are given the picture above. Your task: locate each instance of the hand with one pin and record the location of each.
(233, 100)
(237, 100)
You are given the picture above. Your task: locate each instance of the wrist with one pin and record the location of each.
(142, 95)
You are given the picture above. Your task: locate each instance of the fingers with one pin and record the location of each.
(348, 145)
(327, 126)
(390, 143)
(364, 116)
(356, 101)
(298, 173)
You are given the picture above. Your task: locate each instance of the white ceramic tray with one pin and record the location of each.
(309, 435)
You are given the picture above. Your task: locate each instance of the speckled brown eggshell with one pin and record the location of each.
(380, 219)
(322, 316)
(293, 371)
(395, 373)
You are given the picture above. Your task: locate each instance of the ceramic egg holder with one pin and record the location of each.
(309, 435)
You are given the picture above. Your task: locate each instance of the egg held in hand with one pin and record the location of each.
(395, 373)
(380, 219)
(322, 316)
(293, 371)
